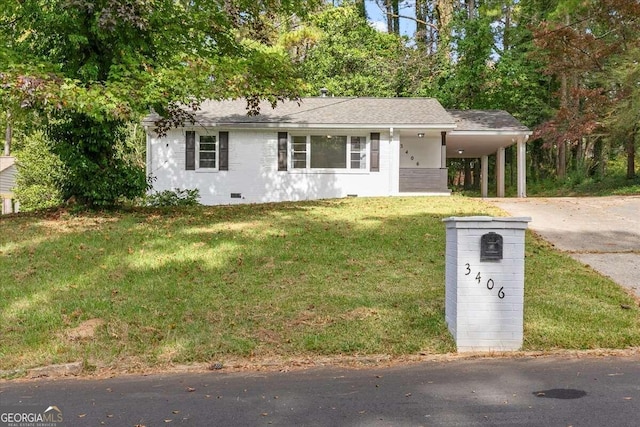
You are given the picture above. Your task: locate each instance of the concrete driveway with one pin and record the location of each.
(602, 232)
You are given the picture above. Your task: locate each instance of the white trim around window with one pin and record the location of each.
(207, 152)
(322, 152)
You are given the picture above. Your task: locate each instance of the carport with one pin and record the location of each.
(481, 133)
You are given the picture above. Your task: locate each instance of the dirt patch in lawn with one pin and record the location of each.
(85, 330)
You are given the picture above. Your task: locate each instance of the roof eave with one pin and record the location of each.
(492, 132)
(271, 125)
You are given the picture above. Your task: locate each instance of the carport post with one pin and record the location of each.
(443, 150)
(522, 167)
(484, 176)
(500, 172)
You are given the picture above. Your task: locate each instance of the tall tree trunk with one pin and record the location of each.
(393, 16)
(389, 12)
(630, 146)
(422, 11)
(444, 16)
(598, 157)
(580, 154)
(467, 174)
(362, 10)
(471, 9)
(561, 163)
(507, 28)
(562, 160)
(396, 16)
(476, 174)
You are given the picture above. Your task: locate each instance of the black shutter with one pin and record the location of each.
(190, 150)
(282, 151)
(375, 152)
(224, 151)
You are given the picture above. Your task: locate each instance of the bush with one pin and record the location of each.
(175, 197)
(39, 172)
(101, 158)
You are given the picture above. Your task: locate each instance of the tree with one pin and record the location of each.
(349, 57)
(91, 66)
(392, 8)
(624, 117)
(40, 172)
(581, 44)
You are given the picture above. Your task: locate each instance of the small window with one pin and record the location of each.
(358, 152)
(207, 151)
(299, 152)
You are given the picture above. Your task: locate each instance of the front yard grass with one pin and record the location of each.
(356, 276)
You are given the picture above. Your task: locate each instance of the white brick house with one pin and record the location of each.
(319, 148)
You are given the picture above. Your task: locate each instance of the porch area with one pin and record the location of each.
(478, 134)
(483, 133)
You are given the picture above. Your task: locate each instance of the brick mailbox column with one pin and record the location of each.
(485, 282)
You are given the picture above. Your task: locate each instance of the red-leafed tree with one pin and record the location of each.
(582, 44)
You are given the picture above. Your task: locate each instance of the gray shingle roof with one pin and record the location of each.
(486, 120)
(330, 111)
(356, 111)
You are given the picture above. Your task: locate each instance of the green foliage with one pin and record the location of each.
(101, 63)
(472, 70)
(351, 58)
(39, 173)
(110, 61)
(99, 168)
(170, 198)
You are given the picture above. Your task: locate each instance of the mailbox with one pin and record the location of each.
(484, 275)
(491, 247)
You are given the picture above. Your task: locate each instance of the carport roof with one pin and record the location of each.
(482, 132)
(486, 120)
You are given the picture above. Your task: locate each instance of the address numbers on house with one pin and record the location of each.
(491, 285)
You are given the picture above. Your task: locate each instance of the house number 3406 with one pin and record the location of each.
(490, 283)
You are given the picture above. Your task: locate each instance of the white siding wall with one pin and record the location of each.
(426, 152)
(253, 171)
(8, 179)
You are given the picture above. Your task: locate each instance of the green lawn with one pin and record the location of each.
(351, 276)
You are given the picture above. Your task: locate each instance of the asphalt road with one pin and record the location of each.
(602, 232)
(548, 391)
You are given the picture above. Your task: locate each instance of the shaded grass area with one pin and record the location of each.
(348, 276)
(613, 185)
